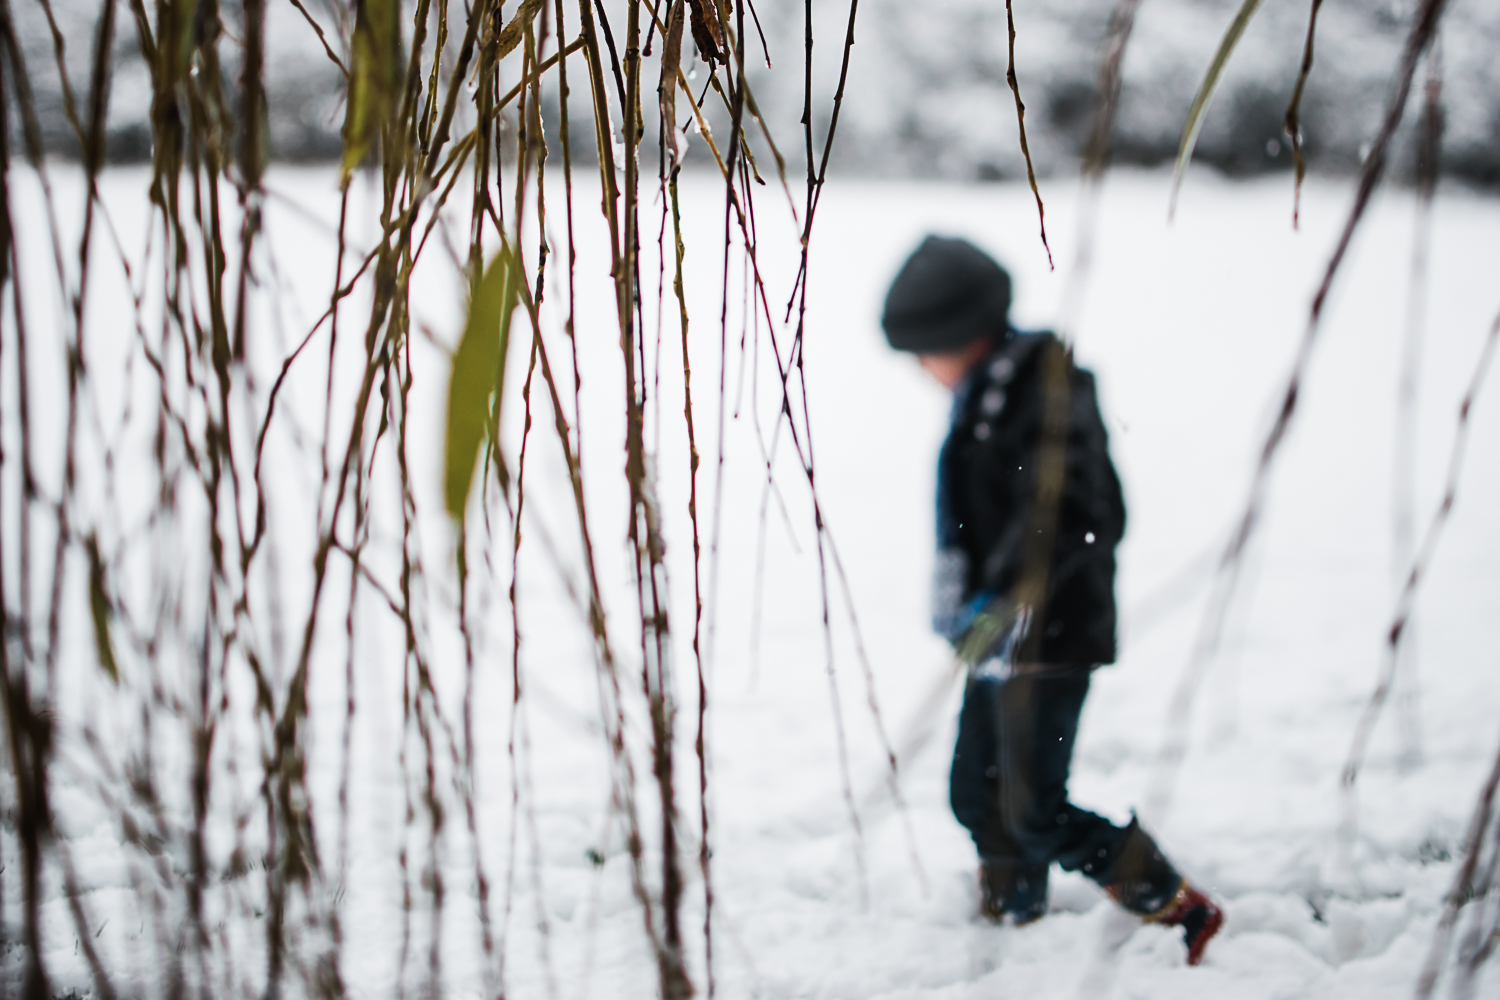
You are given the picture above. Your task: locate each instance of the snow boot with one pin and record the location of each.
(1008, 889)
(1199, 917)
(1144, 882)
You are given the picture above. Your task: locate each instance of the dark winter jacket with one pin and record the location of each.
(986, 491)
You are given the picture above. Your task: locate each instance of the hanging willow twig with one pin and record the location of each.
(1405, 601)
(1424, 28)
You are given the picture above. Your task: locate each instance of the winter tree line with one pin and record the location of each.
(929, 83)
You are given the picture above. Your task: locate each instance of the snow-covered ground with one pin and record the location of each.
(1191, 328)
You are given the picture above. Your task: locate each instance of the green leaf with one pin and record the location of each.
(375, 71)
(1199, 108)
(99, 607)
(479, 374)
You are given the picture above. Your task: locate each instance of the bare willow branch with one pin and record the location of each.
(1015, 89)
(1424, 27)
(1417, 575)
(1463, 880)
(1294, 112)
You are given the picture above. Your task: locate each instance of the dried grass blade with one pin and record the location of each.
(1198, 110)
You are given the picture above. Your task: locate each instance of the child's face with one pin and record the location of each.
(949, 368)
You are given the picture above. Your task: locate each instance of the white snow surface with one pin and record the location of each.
(1190, 326)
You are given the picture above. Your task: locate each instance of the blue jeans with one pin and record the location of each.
(1009, 784)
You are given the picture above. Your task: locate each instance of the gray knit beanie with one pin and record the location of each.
(948, 294)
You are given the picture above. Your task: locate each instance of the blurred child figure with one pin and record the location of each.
(1029, 512)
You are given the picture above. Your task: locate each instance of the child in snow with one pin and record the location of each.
(1029, 512)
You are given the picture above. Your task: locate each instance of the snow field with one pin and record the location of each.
(1190, 328)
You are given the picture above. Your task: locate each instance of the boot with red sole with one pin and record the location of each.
(1140, 878)
(1199, 917)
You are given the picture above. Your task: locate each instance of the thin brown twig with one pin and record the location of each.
(1415, 577)
(1015, 89)
(1294, 112)
(1463, 880)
